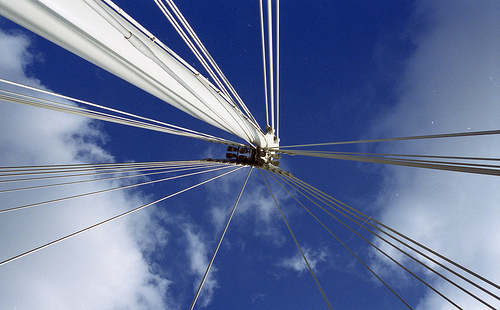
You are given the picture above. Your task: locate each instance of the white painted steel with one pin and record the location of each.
(75, 26)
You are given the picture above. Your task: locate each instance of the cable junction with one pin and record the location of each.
(262, 158)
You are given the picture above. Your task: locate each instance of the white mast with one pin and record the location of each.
(97, 33)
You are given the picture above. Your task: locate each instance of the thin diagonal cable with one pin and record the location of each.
(390, 158)
(71, 109)
(105, 191)
(412, 257)
(386, 255)
(107, 165)
(400, 155)
(340, 241)
(98, 172)
(210, 59)
(130, 175)
(191, 46)
(103, 12)
(207, 55)
(105, 108)
(96, 180)
(109, 11)
(364, 216)
(418, 261)
(95, 170)
(73, 173)
(407, 163)
(56, 106)
(222, 89)
(111, 219)
(436, 136)
(297, 243)
(101, 9)
(154, 39)
(50, 169)
(220, 242)
(62, 167)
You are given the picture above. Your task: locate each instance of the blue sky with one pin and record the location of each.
(350, 70)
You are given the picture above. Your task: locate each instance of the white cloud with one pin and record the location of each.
(100, 269)
(199, 255)
(256, 215)
(14, 55)
(297, 263)
(256, 208)
(449, 87)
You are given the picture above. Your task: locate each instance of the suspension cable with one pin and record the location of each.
(347, 209)
(338, 239)
(71, 174)
(48, 175)
(97, 168)
(210, 59)
(71, 109)
(387, 255)
(220, 242)
(102, 10)
(203, 50)
(365, 217)
(406, 253)
(103, 107)
(112, 218)
(292, 152)
(108, 165)
(297, 243)
(106, 190)
(435, 136)
(448, 166)
(406, 157)
(191, 45)
(139, 174)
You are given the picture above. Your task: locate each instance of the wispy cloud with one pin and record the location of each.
(257, 210)
(447, 87)
(297, 263)
(199, 255)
